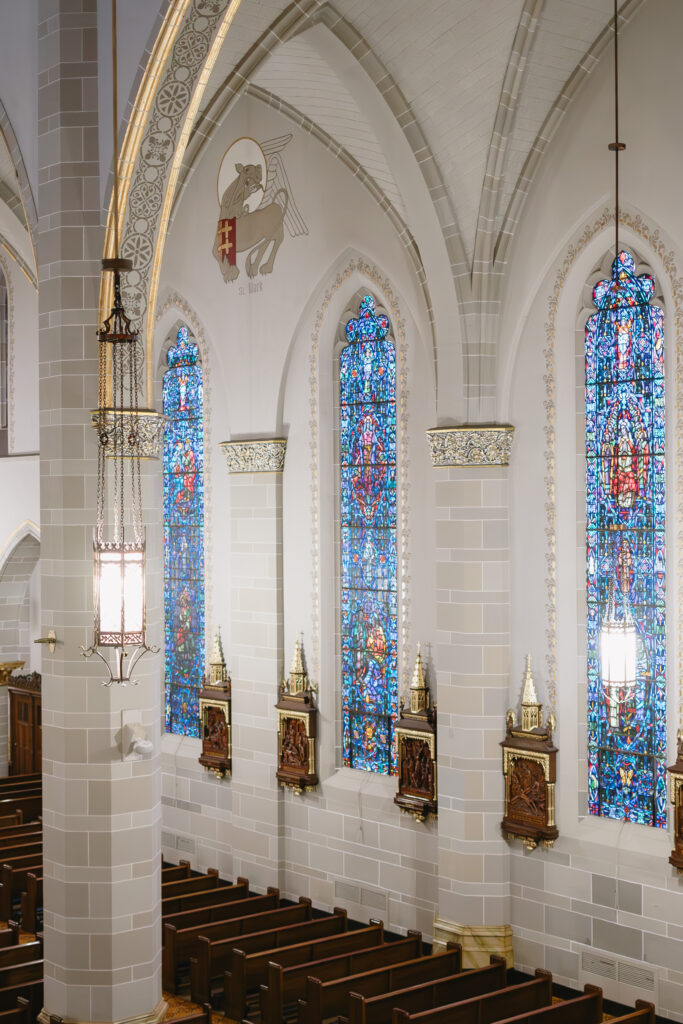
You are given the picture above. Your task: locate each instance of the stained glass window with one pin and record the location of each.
(368, 542)
(625, 549)
(183, 405)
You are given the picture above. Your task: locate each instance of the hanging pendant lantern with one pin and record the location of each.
(119, 559)
(119, 537)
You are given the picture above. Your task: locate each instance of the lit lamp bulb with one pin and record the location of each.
(119, 597)
(619, 653)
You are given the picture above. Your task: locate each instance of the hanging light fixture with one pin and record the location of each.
(119, 537)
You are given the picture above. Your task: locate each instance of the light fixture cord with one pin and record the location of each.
(115, 112)
(617, 144)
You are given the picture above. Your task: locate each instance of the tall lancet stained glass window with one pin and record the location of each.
(625, 549)
(368, 542)
(183, 404)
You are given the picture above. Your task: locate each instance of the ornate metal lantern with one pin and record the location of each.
(415, 733)
(529, 767)
(215, 715)
(297, 718)
(118, 560)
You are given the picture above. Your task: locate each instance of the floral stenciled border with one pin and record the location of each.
(388, 300)
(652, 238)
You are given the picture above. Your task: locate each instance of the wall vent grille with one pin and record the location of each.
(620, 979)
(168, 839)
(344, 891)
(372, 898)
(186, 845)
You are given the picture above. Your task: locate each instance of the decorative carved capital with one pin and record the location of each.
(258, 456)
(471, 444)
(142, 432)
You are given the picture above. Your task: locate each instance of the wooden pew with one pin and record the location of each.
(644, 1013)
(29, 806)
(21, 953)
(11, 820)
(585, 1009)
(19, 980)
(24, 846)
(248, 969)
(205, 897)
(14, 832)
(245, 916)
(13, 880)
(8, 780)
(32, 902)
(427, 996)
(16, 785)
(173, 872)
(9, 936)
(485, 1009)
(215, 956)
(287, 984)
(185, 886)
(30, 991)
(221, 912)
(21, 1014)
(330, 998)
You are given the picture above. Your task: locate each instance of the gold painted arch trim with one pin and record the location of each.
(134, 132)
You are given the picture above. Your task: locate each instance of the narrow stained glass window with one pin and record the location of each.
(183, 405)
(625, 549)
(368, 542)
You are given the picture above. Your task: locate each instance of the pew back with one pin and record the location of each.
(585, 1009)
(330, 998)
(426, 996)
(214, 956)
(205, 897)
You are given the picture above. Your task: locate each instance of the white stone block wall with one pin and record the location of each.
(472, 670)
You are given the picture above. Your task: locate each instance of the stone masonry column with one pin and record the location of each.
(256, 655)
(101, 813)
(472, 659)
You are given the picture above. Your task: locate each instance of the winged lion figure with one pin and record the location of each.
(254, 231)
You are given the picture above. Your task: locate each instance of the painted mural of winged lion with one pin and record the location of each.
(254, 231)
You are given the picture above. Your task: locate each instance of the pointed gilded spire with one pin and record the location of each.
(298, 677)
(531, 707)
(218, 671)
(419, 691)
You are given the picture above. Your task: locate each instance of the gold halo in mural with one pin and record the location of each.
(243, 151)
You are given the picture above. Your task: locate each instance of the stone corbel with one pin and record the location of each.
(471, 444)
(257, 456)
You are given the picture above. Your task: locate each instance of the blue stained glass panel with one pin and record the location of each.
(183, 458)
(625, 545)
(369, 614)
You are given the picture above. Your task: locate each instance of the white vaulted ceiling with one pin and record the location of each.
(485, 81)
(298, 74)
(449, 59)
